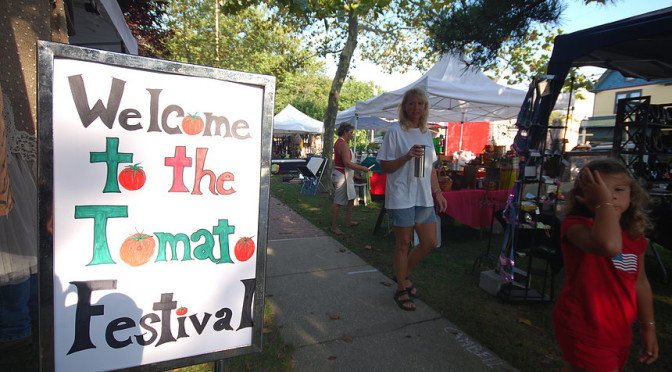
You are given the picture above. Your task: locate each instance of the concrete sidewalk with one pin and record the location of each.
(339, 314)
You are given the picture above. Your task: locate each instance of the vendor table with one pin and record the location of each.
(288, 165)
(474, 207)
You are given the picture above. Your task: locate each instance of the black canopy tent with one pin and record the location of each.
(639, 47)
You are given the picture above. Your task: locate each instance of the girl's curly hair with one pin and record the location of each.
(635, 219)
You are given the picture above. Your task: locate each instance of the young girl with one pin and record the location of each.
(606, 287)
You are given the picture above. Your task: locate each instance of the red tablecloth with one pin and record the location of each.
(474, 207)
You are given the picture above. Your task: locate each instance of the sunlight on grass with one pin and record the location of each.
(663, 299)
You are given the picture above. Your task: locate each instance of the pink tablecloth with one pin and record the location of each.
(474, 207)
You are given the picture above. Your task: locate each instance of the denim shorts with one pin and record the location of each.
(408, 217)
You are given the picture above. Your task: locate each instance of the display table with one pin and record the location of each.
(474, 207)
(288, 165)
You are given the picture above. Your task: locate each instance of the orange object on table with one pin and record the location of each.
(474, 207)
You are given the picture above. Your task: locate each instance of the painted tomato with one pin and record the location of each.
(132, 177)
(192, 124)
(137, 249)
(244, 249)
(181, 311)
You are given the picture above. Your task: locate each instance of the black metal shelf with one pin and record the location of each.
(643, 139)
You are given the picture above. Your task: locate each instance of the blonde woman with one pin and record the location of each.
(410, 200)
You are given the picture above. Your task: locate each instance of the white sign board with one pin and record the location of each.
(159, 187)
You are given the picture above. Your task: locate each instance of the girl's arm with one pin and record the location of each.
(649, 352)
(344, 150)
(604, 237)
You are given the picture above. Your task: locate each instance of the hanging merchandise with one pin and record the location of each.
(526, 226)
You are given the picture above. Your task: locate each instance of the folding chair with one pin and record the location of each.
(312, 173)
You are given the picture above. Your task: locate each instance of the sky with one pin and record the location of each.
(577, 16)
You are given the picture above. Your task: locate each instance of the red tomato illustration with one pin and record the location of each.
(192, 124)
(137, 249)
(244, 249)
(181, 311)
(132, 177)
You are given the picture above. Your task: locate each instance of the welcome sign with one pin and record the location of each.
(155, 176)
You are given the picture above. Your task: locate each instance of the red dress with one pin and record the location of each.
(598, 303)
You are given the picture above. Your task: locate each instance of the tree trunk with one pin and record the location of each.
(335, 92)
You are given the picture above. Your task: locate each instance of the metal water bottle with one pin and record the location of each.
(419, 170)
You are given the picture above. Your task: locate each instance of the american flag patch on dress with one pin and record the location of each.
(626, 262)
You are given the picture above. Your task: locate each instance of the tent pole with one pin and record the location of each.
(461, 129)
(570, 111)
(354, 143)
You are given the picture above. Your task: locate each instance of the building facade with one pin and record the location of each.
(611, 87)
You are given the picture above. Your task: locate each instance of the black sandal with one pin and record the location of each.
(401, 302)
(412, 291)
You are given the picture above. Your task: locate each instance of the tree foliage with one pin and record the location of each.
(485, 26)
(145, 20)
(512, 38)
(389, 30)
(517, 63)
(309, 93)
(248, 41)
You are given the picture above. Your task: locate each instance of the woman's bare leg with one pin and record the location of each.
(402, 241)
(427, 237)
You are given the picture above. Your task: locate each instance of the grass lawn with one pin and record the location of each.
(519, 332)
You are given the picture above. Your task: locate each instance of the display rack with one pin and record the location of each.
(530, 247)
(643, 141)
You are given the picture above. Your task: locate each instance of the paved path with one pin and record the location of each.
(339, 314)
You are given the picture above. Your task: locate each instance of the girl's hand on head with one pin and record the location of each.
(595, 190)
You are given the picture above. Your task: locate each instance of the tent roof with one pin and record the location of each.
(363, 122)
(456, 93)
(637, 46)
(291, 120)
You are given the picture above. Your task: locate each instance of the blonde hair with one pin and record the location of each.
(401, 110)
(635, 219)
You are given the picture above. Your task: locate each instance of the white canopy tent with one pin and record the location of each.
(362, 122)
(456, 94)
(290, 120)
